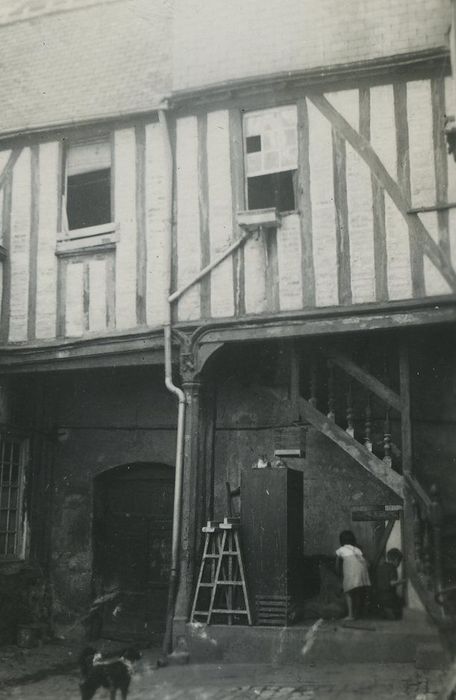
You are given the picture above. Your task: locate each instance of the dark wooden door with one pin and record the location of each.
(132, 538)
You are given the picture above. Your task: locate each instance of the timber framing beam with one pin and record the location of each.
(10, 163)
(139, 349)
(328, 321)
(368, 380)
(417, 230)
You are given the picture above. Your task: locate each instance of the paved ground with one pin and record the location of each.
(250, 681)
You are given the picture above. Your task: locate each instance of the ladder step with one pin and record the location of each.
(206, 585)
(211, 556)
(201, 612)
(230, 612)
(226, 583)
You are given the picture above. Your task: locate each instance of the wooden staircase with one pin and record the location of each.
(360, 413)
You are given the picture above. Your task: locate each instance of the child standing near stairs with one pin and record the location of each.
(351, 563)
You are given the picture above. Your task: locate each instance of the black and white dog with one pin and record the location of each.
(113, 674)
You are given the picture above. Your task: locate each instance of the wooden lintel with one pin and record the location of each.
(368, 380)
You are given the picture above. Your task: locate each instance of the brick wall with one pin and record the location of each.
(219, 40)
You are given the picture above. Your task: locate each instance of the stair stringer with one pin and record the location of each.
(375, 466)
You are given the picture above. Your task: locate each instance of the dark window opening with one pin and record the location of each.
(10, 498)
(273, 190)
(253, 144)
(89, 199)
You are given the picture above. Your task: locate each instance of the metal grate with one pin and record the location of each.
(11, 480)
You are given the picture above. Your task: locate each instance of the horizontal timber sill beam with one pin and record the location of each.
(407, 313)
(140, 349)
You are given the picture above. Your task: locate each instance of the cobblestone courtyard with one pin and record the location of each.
(251, 681)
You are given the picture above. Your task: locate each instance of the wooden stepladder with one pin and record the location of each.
(221, 589)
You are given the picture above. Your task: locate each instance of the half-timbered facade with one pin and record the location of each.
(291, 218)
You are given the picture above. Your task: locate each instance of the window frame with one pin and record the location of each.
(21, 530)
(295, 171)
(67, 234)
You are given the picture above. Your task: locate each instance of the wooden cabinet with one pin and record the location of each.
(272, 542)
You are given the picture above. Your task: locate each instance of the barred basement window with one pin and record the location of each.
(11, 498)
(271, 157)
(88, 184)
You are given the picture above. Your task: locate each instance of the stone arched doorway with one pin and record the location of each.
(132, 528)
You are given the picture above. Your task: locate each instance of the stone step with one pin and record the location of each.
(324, 642)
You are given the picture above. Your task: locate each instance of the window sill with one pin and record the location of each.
(84, 240)
(259, 218)
(12, 566)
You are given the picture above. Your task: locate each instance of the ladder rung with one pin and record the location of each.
(206, 585)
(211, 556)
(230, 612)
(231, 552)
(227, 583)
(201, 612)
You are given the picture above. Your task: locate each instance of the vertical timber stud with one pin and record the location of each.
(141, 248)
(203, 204)
(7, 193)
(304, 205)
(238, 194)
(271, 270)
(403, 178)
(440, 160)
(378, 207)
(33, 249)
(173, 274)
(86, 296)
(341, 211)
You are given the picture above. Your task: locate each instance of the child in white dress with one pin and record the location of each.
(355, 574)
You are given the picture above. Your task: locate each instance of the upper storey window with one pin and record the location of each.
(271, 157)
(88, 184)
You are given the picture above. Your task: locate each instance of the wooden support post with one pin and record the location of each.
(197, 487)
(406, 420)
(408, 534)
(191, 516)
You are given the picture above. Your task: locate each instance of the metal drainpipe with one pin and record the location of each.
(174, 572)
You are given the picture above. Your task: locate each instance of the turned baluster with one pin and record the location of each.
(368, 425)
(350, 429)
(313, 383)
(331, 398)
(387, 440)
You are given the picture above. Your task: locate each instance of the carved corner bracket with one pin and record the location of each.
(193, 355)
